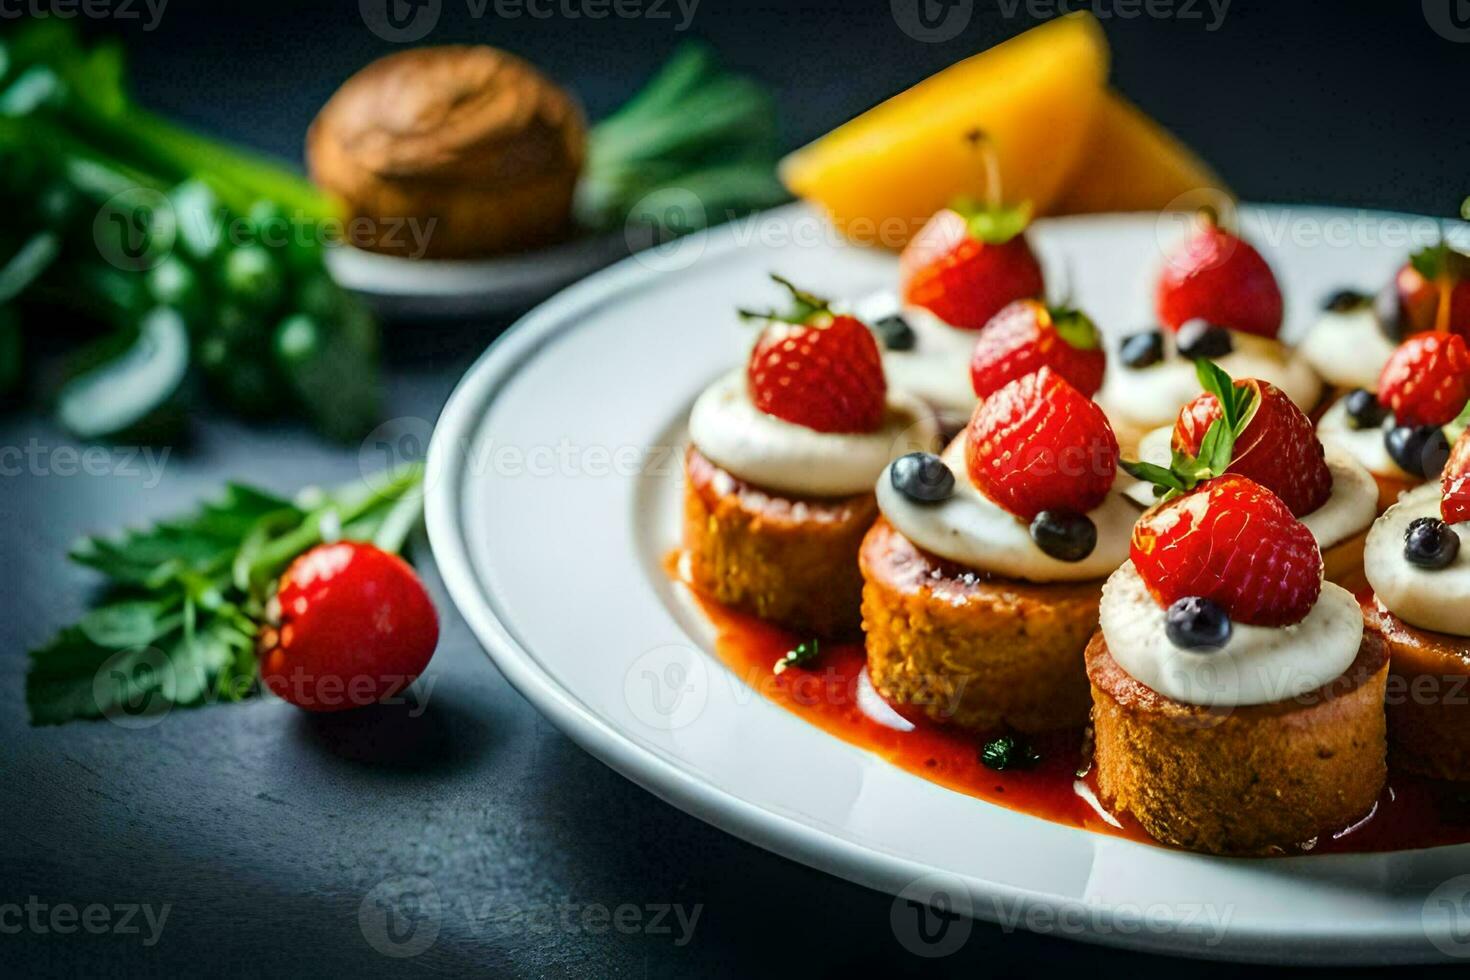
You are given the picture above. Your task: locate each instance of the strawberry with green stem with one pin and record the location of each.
(1248, 427)
(816, 368)
(971, 259)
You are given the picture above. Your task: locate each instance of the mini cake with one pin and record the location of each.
(1353, 339)
(1237, 699)
(981, 582)
(778, 479)
(1420, 575)
(1217, 298)
(965, 265)
(1399, 434)
(1266, 437)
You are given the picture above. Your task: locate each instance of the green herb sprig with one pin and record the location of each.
(186, 596)
(1185, 472)
(801, 655)
(1009, 752)
(695, 147)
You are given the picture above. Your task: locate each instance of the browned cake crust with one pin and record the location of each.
(787, 560)
(978, 651)
(1343, 562)
(1247, 780)
(1428, 696)
(1389, 488)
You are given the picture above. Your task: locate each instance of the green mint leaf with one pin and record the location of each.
(1009, 752)
(1159, 476)
(804, 653)
(1214, 379)
(1216, 447)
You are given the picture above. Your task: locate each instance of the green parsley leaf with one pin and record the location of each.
(1009, 752)
(804, 653)
(1152, 473)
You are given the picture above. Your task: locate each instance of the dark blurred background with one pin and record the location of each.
(266, 831)
(1350, 103)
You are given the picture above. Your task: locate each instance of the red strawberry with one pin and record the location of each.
(965, 264)
(813, 368)
(1427, 380)
(1217, 277)
(1026, 336)
(1435, 283)
(1454, 505)
(1233, 542)
(1039, 444)
(1276, 446)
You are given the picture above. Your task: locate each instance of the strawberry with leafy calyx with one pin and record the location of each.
(1274, 443)
(1216, 448)
(816, 368)
(1028, 335)
(1433, 290)
(971, 259)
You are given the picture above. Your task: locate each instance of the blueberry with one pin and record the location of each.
(1196, 623)
(1346, 300)
(1064, 535)
(895, 332)
(1430, 543)
(1363, 409)
(923, 477)
(1200, 338)
(1389, 312)
(1143, 349)
(1420, 450)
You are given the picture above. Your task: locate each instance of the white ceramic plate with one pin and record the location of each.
(553, 499)
(400, 288)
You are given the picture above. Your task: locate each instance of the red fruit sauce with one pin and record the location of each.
(1413, 812)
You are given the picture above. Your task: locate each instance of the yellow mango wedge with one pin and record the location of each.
(880, 176)
(1130, 163)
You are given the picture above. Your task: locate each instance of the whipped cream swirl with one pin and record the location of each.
(971, 529)
(777, 455)
(1257, 665)
(1432, 599)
